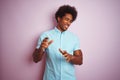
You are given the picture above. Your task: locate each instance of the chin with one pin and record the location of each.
(65, 30)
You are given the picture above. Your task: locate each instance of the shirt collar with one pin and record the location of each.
(56, 29)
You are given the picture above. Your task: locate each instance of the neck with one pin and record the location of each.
(59, 28)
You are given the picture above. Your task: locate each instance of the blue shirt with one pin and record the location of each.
(57, 68)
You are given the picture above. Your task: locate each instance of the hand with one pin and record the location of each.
(45, 43)
(67, 56)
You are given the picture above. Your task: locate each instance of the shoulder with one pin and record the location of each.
(73, 35)
(46, 33)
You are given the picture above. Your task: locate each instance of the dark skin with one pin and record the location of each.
(38, 53)
(63, 25)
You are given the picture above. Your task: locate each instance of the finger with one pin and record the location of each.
(68, 59)
(65, 52)
(45, 39)
(44, 46)
(50, 42)
(61, 51)
(65, 55)
(45, 43)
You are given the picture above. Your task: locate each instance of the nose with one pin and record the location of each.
(68, 23)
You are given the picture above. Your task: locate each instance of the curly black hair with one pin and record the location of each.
(66, 9)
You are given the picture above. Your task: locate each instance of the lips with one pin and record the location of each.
(66, 26)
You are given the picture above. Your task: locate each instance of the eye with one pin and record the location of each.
(67, 19)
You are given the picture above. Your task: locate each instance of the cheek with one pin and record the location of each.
(63, 22)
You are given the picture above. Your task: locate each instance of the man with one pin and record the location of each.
(60, 46)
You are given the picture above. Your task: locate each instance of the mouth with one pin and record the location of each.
(66, 26)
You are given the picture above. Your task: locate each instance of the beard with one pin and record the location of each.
(64, 27)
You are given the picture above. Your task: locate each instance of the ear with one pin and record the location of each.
(58, 18)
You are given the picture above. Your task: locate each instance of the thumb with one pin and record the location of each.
(50, 42)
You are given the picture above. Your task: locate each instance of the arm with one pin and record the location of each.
(38, 53)
(76, 58)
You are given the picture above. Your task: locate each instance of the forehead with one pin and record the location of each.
(67, 15)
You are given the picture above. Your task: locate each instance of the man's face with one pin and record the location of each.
(64, 22)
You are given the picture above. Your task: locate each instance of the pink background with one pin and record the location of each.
(97, 26)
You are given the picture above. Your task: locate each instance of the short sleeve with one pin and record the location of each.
(77, 44)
